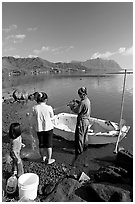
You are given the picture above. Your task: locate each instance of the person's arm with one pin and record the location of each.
(77, 101)
(74, 105)
(78, 107)
(15, 148)
(14, 145)
(51, 112)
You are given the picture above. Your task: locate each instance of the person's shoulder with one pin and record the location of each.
(36, 106)
(86, 100)
(49, 106)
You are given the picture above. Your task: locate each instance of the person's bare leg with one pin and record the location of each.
(41, 150)
(49, 155)
(42, 153)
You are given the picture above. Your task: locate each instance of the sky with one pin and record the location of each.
(69, 31)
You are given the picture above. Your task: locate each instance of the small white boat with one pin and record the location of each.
(100, 131)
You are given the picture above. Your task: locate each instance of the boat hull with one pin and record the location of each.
(91, 139)
(64, 126)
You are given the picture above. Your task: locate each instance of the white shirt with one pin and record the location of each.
(42, 114)
(16, 145)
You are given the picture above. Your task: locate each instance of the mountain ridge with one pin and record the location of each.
(11, 65)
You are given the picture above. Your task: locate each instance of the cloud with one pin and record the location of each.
(31, 56)
(15, 38)
(62, 49)
(17, 56)
(20, 36)
(9, 49)
(69, 48)
(55, 50)
(103, 55)
(128, 51)
(10, 28)
(32, 29)
(9, 37)
(42, 50)
(121, 51)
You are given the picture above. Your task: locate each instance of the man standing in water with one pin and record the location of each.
(83, 110)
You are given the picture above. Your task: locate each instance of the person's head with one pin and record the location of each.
(82, 92)
(14, 130)
(42, 97)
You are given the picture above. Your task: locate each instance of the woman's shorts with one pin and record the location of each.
(45, 138)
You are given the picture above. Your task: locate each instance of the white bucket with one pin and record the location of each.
(28, 185)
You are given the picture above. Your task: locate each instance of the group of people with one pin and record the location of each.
(42, 114)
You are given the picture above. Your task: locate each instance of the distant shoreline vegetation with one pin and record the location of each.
(15, 81)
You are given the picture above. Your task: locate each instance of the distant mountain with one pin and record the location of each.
(26, 63)
(11, 65)
(103, 64)
(7, 65)
(75, 61)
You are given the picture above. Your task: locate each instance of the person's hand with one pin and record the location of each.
(77, 101)
(23, 145)
(74, 100)
(70, 103)
(53, 120)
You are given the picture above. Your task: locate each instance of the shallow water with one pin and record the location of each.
(105, 94)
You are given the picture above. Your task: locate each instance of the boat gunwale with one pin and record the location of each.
(98, 134)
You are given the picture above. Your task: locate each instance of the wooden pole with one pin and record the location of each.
(121, 113)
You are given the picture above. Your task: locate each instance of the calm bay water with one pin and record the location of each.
(105, 94)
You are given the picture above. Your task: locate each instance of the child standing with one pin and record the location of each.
(42, 115)
(15, 148)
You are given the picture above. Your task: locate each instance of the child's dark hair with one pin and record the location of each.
(14, 130)
(41, 97)
(82, 91)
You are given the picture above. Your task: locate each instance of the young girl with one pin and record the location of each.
(15, 148)
(42, 114)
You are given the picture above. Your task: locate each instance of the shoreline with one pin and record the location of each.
(7, 91)
(88, 162)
